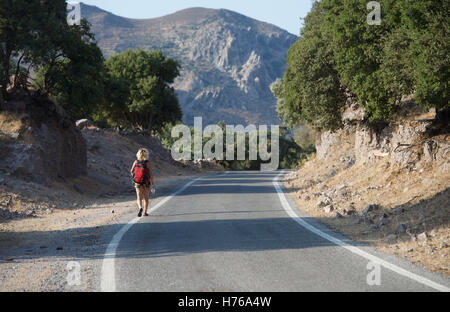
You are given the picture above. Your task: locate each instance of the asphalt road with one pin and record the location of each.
(232, 232)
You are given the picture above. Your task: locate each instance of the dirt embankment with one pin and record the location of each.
(386, 187)
(60, 188)
(47, 163)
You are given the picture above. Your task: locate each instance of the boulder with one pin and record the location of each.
(401, 228)
(328, 209)
(422, 237)
(369, 208)
(55, 149)
(328, 139)
(323, 201)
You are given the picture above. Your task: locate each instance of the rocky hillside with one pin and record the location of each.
(228, 60)
(387, 185)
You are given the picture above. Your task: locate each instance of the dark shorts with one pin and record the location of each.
(143, 185)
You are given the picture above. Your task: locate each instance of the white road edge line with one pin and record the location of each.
(108, 276)
(353, 249)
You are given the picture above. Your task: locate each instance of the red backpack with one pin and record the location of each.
(141, 172)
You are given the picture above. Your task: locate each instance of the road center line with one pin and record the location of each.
(353, 249)
(108, 276)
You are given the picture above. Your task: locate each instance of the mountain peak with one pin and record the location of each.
(228, 60)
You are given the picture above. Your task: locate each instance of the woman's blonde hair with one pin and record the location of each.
(142, 154)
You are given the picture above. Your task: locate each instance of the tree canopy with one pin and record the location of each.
(74, 75)
(139, 92)
(29, 31)
(339, 54)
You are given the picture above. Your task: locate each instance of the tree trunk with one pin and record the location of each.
(4, 79)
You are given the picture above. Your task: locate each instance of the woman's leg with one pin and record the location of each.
(139, 197)
(146, 199)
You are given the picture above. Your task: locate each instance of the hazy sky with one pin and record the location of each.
(283, 13)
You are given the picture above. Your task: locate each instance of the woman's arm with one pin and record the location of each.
(151, 173)
(132, 168)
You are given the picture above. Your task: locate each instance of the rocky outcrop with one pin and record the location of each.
(370, 143)
(403, 144)
(328, 140)
(39, 143)
(228, 60)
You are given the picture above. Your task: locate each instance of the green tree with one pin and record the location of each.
(312, 87)
(407, 53)
(29, 31)
(150, 101)
(74, 75)
(358, 49)
(378, 64)
(427, 24)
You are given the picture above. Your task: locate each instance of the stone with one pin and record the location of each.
(370, 208)
(354, 114)
(422, 237)
(401, 228)
(385, 221)
(83, 123)
(391, 237)
(328, 209)
(339, 216)
(428, 152)
(14, 135)
(323, 201)
(349, 212)
(398, 210)
(328, 139)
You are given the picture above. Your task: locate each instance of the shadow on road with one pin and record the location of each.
(154, 238)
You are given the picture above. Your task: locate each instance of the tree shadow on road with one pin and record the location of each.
(154, 238)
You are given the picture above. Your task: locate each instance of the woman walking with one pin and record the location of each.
(142, 179)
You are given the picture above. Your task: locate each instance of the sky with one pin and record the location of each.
(286, 14)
